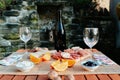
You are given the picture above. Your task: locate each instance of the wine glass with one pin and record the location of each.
(25, 35)
(91, 36)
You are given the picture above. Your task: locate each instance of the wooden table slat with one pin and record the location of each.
(114, 76)
(31, 77)
(62, 77)
(19, 77)
(1, 76)
(42, 77)
(103, 77)
(79, 77)
(91, 77)
(7, 77)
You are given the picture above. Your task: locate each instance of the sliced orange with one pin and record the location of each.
(71, 62)
(35, 59)
(55, 63)
(46, 56)
(60, 66)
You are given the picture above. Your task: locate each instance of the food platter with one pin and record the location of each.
(44, 66)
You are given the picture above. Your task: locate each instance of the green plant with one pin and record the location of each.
(4, 3)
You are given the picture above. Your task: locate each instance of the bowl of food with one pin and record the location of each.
(24, 66)
(90, 65)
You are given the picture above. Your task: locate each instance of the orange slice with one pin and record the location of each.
(35, 59)
(71, 62)
(60, 66)
(55, 63)
(46, 56)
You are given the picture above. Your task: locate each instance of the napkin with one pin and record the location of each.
(11, 59)
(103, 59)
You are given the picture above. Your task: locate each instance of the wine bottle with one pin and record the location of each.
(60, 35)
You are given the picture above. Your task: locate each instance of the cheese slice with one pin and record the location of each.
(65, 55)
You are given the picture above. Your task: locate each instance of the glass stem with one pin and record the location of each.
(91, 48)
(26, 51)
(26, 46)
(91, 54)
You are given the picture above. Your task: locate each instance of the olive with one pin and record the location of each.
(90, 64)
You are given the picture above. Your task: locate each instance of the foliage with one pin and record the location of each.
(4, 3)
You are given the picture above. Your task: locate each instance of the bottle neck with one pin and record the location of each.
(60, 23)
(60, 15)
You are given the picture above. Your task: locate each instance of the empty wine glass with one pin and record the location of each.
(25, 35)
(91, 36)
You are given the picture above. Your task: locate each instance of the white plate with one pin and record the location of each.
(24, 66)
(90, 68)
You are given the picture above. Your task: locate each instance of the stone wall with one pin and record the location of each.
(75, 17)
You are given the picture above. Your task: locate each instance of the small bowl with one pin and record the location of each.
(24, 66)
(90, 65)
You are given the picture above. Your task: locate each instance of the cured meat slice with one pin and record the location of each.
(57, 55)
(76, 53)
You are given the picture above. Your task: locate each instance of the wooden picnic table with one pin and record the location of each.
(77, 77)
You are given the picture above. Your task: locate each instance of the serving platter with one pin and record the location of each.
(45, 66)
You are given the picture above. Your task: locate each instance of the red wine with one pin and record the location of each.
(60, 35)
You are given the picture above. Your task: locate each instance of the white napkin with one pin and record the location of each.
(11, 59)
(103, 59)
